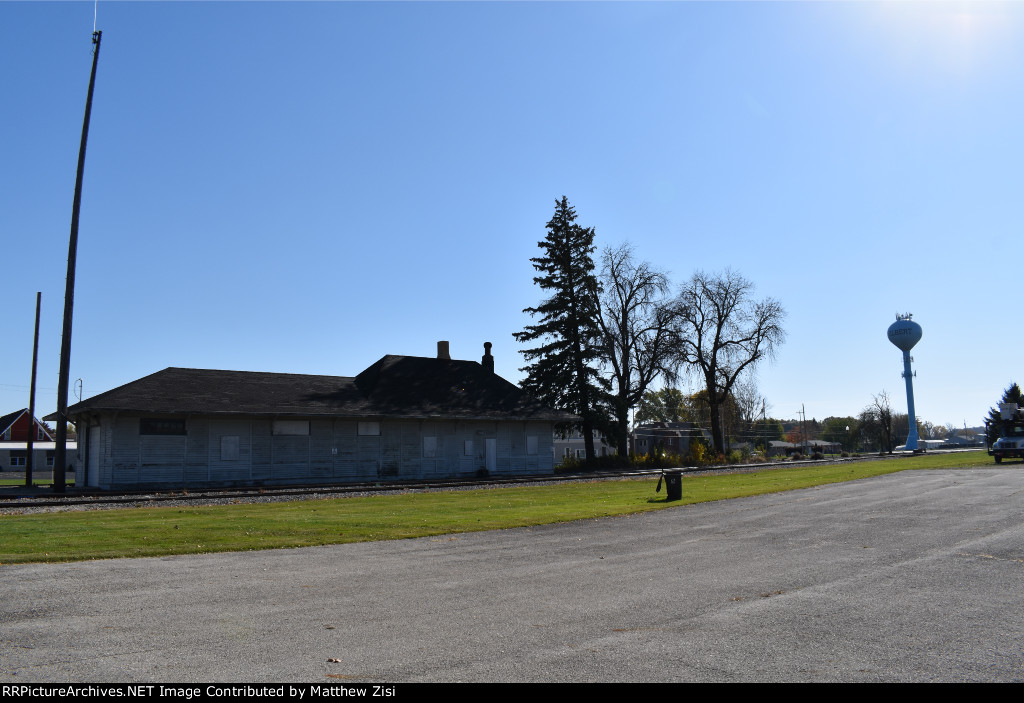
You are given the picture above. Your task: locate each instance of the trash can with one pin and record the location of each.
(673, 485)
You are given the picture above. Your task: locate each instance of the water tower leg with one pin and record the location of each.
(911, 417)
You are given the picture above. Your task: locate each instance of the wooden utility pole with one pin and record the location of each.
(60, 451)
(32, 398)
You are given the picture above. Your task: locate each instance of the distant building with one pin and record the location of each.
(14, 435)
(574, 446)
(671, 437)
(14, 427)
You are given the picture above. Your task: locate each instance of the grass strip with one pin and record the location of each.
(161, 531)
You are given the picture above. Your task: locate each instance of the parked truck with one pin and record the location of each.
(1010, 431)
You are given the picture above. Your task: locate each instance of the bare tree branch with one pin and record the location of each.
(725, 333)
(639, 331)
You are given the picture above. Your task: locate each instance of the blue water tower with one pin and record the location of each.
(905, 333)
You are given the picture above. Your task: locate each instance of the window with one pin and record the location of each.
(369, 429)
(229, 448)
(467, 448)
(49, 459)
(17, 458)
(531, 444)
(581, 453)
(154, 426)
(293, 428)
(429, 447)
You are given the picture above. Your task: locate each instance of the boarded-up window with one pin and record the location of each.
(369, 428)
(467, 448)
(155, 426)
(429, 447)
(291, 427)
(229, 448)
(531, 444)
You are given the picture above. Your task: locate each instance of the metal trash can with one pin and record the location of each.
(673, 485)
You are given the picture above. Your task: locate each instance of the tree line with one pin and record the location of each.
(606, 334)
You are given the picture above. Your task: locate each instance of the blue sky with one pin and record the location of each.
(305, 187)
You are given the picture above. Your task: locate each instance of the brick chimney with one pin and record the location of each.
(488, 361)
(442, 351)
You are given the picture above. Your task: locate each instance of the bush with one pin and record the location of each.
(698, 453)
(817, 455)
(797, 456)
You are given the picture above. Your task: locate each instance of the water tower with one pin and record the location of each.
(905, 333)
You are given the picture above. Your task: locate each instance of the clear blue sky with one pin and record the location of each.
(305, 187)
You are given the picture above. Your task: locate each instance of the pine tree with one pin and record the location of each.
(562, 371)
(995, 424)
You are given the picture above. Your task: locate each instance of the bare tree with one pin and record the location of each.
(750, 405)
(877, 418)
(638, 331)
(724, 333)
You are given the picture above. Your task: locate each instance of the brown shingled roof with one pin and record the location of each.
(395, 386)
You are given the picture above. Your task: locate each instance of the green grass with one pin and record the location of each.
(142, 532)
(35, 482)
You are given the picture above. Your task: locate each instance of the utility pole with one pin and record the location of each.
(32, 398)
(764, 421)
(60, 451)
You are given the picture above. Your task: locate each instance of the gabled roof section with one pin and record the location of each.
(10, 418)
(395, 386)
(8, 421)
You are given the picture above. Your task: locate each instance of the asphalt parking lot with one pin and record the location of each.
(915, 576)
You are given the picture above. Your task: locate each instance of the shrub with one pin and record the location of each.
(817, 455)
(698, 453)
(797, 456)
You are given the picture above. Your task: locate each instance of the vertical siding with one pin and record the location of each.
(368, 455)
(222, 469)
(390, 448)
(290, 456)
(321, 444)
(414, 464)
(346, 463)
(262, 449)
(124, 454)
(197, 464)
(332, 451)
(162, 459)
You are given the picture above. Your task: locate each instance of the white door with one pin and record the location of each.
(93, 464)
(491, 454)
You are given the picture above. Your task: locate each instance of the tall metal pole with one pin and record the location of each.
(60, 451)
(908, 376)
(32, 398)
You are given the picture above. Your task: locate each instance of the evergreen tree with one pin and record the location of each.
(995, 424)
(562, 370)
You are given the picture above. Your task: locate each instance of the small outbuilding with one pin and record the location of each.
(404, 417)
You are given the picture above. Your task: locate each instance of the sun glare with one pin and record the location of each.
(955, 39)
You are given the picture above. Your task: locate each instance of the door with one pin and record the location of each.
(92, 464)
(491, 454)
